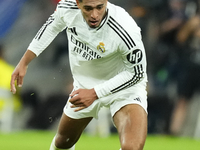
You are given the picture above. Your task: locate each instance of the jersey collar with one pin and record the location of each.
(103, 21)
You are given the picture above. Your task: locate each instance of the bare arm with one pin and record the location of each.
(20, 70)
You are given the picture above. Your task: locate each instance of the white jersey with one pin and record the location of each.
(109, 58)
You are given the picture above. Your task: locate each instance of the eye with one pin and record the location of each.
(99, 7)
(88, 8)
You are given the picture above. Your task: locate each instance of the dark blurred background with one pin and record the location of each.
(171, 35)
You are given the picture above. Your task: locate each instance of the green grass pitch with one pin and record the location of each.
(40, 140)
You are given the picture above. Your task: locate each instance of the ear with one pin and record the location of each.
(78, 3)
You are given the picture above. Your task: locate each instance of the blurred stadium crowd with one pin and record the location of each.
(171, 35)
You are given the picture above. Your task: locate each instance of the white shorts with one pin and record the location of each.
(133, 95)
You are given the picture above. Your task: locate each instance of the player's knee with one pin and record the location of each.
(132, 146)
(63, 142)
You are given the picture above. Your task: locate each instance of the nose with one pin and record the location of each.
(94, 14)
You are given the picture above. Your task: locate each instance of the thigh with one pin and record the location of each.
(69, 130)
(131, 124)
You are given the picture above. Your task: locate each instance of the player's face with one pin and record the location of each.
(93, 11)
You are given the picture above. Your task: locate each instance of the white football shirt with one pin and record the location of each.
(109, 58)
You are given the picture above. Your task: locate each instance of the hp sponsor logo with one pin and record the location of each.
(135, 56)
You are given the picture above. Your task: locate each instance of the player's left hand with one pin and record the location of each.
(82, 98)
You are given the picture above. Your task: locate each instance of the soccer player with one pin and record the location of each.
(108, 63)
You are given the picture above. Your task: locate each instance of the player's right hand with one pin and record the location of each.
(82, 98)
(17, 75)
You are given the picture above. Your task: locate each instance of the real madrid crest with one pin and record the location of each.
(101, 47)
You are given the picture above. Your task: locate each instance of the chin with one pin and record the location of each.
(93, 26)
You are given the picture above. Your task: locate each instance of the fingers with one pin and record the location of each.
(81, 99)
(79, 108)
(12, 84)
(74, 97)
(19, 81)
(77, 104)
(74, 93)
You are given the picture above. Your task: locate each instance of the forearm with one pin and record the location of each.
(20, 70)
(120, 82)
(27, 58)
